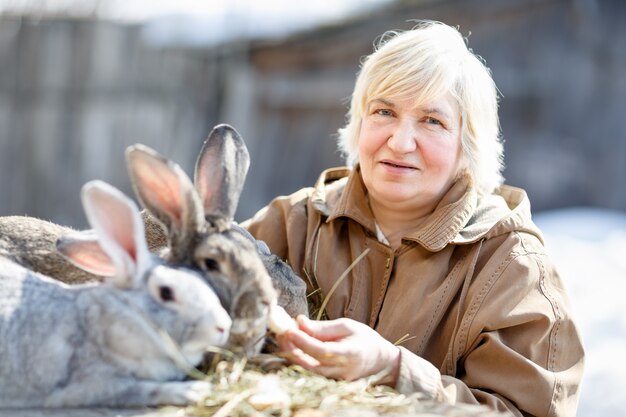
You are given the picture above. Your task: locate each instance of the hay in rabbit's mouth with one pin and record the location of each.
(242, 388)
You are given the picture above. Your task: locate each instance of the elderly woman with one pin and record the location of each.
(455, 297)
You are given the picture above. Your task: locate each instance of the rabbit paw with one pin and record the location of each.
(183, 393)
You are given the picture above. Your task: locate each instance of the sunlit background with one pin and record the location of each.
(82, 80)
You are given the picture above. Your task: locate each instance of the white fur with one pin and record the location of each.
(114, 344)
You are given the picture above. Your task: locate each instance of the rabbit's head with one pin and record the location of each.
(176, 302)
(198, 222)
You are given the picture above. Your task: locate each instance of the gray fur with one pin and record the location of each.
(242, 281)
(30, 241)
(100, 344)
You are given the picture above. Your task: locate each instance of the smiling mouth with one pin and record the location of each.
(395, 165)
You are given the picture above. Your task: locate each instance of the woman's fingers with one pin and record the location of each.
(323, 358)
(284, 344)
(325, 330)
(293, 353)
(336, 372)
(308, 343)
(298, 357)
(342, 349)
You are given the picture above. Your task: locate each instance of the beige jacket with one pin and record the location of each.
(472, 288)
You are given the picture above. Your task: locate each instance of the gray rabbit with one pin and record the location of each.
(220, 171)
(126, 342)
(200, 232)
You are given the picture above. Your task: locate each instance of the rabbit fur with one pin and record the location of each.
(198, 223)
(30, 242)
(107, 347)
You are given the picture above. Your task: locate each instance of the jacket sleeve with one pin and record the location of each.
(282, 225)
(516, 348)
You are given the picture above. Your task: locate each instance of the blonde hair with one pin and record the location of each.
(423, 64)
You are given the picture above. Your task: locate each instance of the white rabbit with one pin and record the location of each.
(200, 232)
(31, 241)
(126, 342)
(187, 214)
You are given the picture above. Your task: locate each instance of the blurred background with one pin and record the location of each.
(80, 80)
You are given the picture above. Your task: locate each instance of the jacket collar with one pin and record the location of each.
(460, 218)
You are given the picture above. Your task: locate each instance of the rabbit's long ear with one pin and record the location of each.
(164, 189)
(220, 173)
(83, 250)
(116, 220)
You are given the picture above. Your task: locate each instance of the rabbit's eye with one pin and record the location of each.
(166, 293)
(211, 265)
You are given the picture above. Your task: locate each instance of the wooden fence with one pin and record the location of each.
(75, 92)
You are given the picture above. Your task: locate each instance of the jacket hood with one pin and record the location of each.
(462, 217)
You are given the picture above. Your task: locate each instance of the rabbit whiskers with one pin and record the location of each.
(163, 339)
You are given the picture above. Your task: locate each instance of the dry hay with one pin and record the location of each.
(240, 388)
(267, 386)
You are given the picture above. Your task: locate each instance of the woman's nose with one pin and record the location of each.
(403, 139)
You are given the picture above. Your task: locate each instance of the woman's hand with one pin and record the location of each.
(341, 349)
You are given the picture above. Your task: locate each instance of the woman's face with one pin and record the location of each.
(409, 155)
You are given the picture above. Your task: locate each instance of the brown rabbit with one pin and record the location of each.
(187, 216)
(198, 222)
(30, 242)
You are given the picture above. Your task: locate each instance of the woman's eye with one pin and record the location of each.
(433, 121)
(383, 112)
